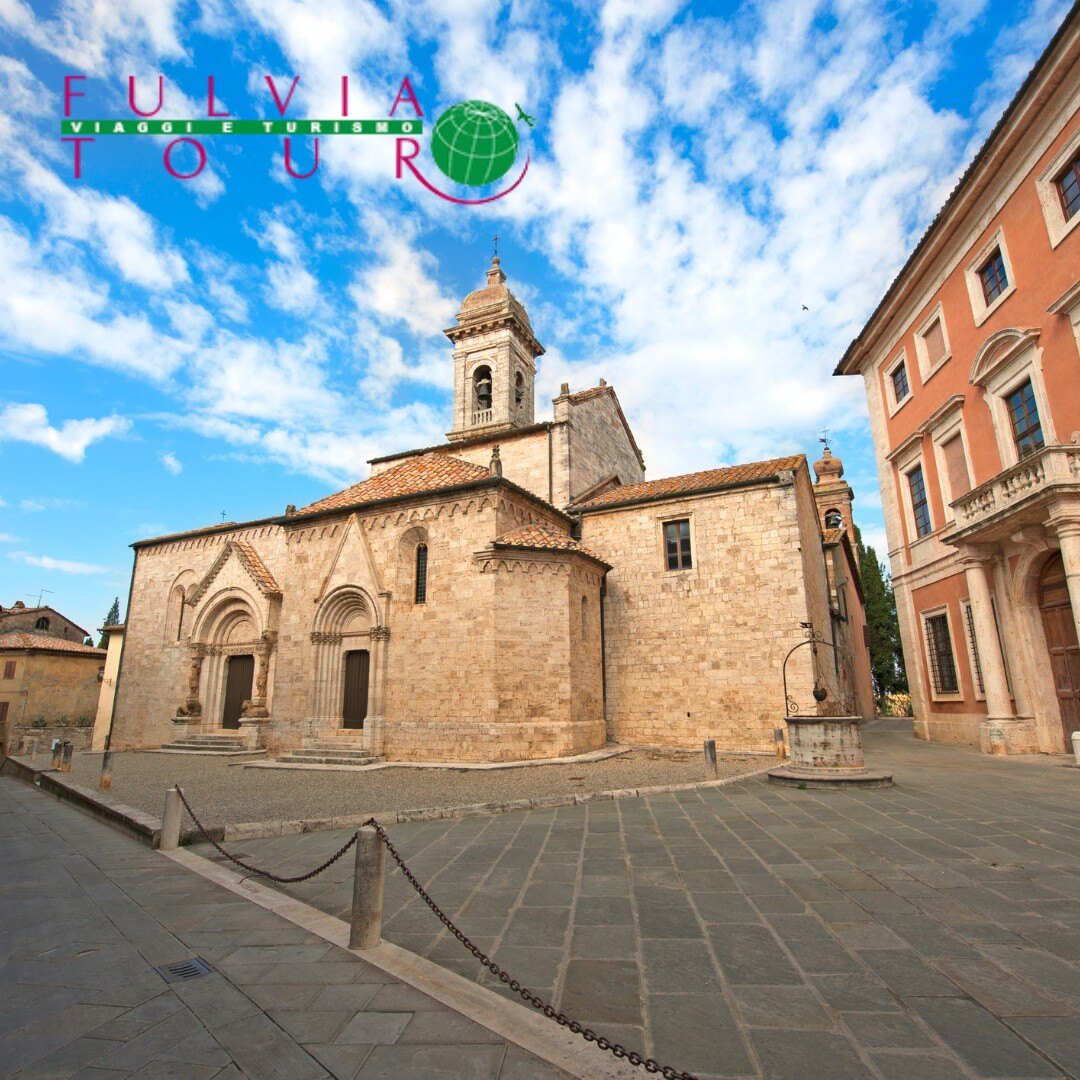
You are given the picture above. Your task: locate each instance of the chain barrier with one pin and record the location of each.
(254, 869)
(650, 1064)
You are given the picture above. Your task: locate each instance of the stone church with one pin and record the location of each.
(519, 591)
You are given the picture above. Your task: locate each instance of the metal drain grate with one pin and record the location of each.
(183, 970)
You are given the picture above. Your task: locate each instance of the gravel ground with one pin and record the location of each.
(223, 794)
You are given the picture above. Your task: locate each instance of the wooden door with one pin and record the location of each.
(354, 708)
(1057, 615)
(239, 672)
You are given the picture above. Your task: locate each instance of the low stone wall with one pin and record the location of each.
(79, 737)
(512, 741)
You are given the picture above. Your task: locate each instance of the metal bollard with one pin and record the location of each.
(365, 930)
(57, 753)
(65, 757)
(170, 821)
(106, 771)
(711, 772)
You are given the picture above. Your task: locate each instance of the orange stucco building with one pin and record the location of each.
(971, 363)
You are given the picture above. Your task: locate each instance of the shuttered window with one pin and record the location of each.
(956, 466)
(939, 649)
(9, 669)
(934, 340)
(3, 712)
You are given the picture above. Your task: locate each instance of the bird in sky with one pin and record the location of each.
(805, 308)
(523, 115)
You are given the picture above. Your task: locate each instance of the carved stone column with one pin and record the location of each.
(1068, 533)
(999, 711)
(191, 709)
(257, 710)
(376, 721)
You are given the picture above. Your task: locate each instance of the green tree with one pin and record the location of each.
(111, 619)
(886, 653)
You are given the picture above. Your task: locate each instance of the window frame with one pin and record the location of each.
(924, 618)
(888, 369)
(10, 669)
(1021, 454)
(690, 547)
(1058, 226)
(909, 473)
(927, 368)
(1019, 365)
(981, 308)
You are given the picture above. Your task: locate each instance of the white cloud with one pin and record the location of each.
(30, 423)
(7, 538)
(33, 506)
(62, 566)
(172, 463)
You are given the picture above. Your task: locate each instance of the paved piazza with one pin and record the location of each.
(86, 914)
(928, 931)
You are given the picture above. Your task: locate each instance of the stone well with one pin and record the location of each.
(826, 752)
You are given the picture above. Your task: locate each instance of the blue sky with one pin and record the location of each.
(171, 350)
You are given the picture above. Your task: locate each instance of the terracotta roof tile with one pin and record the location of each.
(257, 568)
(428, 473)
(688, 483)
(545, 539)
(23, 639)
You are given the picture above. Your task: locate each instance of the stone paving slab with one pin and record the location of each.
(86, 914)
(921, 932)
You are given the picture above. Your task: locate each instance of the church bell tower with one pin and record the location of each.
(495, 354)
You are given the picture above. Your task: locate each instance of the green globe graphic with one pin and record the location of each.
(474, 143)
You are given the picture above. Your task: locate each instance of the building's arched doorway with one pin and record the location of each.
(1060, 628)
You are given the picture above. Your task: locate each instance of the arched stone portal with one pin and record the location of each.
(348, 665)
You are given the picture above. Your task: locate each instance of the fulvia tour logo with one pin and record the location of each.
(474, 144)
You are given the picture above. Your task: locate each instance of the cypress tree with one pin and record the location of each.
(111, 619)
(886, 653)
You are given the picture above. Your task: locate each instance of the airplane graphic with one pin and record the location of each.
(523, 115)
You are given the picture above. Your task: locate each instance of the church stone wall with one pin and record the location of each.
(696, 654)
(599, 445)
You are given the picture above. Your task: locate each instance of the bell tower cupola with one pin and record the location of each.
(495, 354)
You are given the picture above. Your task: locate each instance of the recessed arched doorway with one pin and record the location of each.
(1061, 642)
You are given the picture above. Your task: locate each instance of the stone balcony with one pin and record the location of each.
(1017, 496)
(482, 416)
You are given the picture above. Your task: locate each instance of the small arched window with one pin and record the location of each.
(420, 594)
(834, 519)
(42, 624)
(584, 616)
(519, 390)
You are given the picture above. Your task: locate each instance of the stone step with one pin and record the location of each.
(197, 743)
(327, 757)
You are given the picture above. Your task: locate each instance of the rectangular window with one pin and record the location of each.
(1024, 414)
(956, 465)
(934, 341)
(3, 712)
(1068, 185)
(677, 544)
(942, 664)
(973, 645)
(920, 508)
(9, 669)
(901, 386)
(993, 277)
